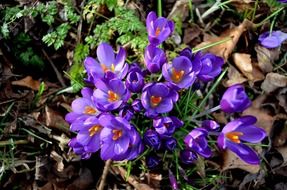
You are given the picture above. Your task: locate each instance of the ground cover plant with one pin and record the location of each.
(143, 95)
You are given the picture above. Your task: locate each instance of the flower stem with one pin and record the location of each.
(270, 16)
(207, 112)
(190, 8)
(255, 9)
(194, 50)
(159, 8)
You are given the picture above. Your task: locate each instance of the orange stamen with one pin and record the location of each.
(234, 136)
(95, 129)
(90, 110)
(112, 96)
(155, 100)
(117, 134)
(104, 67)
(177, 75)
(157, 31)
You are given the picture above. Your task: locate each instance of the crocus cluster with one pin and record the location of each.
(127, 109)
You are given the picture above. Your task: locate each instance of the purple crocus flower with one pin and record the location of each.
(170, 143)
(127, 113)
(79, 149)
(137, 105)
(241, 129)
(282, 1)
(197, 142)
(151, 138)
(135, 81)
(110, 95)
(158, 98)
(172, 180)
(154, 58)
(211, 66)
(107, 62)
(118, 137)
(89, 135)
(273, 40)
(210, 125)
(152, 161)
(194, 59)
(158, 29)
(165, 126)
(235, 99)
(179, 73)
(82, 107)
(188, 156)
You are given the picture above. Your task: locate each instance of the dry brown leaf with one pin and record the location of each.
(226, 48)
(245, 65)
(191, 33)
(231, 161)
(54, 119)
(234, 77)
(280, 138)
(266, 58)
(273, 81)
(28, 82)
(264, 120)
(282, 98)
(283, 152)
(242, 5)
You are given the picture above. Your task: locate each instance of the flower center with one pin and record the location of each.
(234, 136)
(94, 129)
(177, 75)
(89, 110)
(112, 97)
(155, 100)
(157, 31)
(106, 69)
(117, 134)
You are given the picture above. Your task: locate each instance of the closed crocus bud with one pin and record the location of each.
(135, 81)
(211, 67)
(154, 58)
(137, 105)
(152, 162)
(151, 138)
(187, 156)
(172, 180)
(234, 99)
(170, 144)
(210, 125)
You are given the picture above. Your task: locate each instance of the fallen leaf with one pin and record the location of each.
(280, 135)
(191, 33)
(242, 5)
(248, 69)
(226, 48)
(266, 58)
(283, 152)
(55, 119)
(264, 120)
(273, 81)
(28, 82)
(231, 161)
(282, 98)
(234, 77)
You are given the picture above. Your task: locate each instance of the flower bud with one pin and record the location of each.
(135, 81)
(151, 138)
(152, 162)
(187, 156)
(170, 144)
(234, 99)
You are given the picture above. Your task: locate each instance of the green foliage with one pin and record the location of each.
(29, 57)
(47, 11)
(76, 72)
(126, 25)
(273, 3)
(57, 37)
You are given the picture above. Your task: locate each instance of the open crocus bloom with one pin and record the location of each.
(179, 73)
(236, 131)
(158, 98)
(158, 28)
(273, 40)
(110, 95)
(119, 138)
(106, 61)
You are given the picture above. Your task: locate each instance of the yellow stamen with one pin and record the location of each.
(234, 136)
(177, 75)
(90, 110)
(155, 100)
(95, 129)
(157, 31)
(117, 134)
(112, 96)
(113, 68)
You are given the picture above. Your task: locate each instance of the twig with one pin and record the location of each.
(58, 74)
(131, 179)
(105, 173)
(79, 30)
